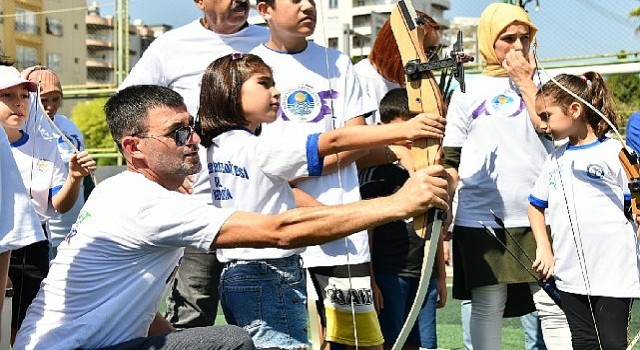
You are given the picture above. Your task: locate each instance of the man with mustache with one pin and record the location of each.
(107, 280)
(177, 59)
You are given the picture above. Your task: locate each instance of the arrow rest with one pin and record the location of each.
(455, 61)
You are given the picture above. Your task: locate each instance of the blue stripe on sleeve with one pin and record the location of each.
(627, 196)
(314, 161)
(54, 191)
(536, 202)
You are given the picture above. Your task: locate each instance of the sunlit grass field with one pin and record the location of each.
(450, 329)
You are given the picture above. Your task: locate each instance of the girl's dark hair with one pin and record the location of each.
(220, 100)
(590, 87)
(385, 54)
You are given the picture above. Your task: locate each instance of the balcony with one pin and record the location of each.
(99, 63)
(28, 28)
(99, 22)
(22, 63)
(99, 42)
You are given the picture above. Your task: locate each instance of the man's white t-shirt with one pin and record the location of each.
(106, 282)
(501, 152)
(19, 222)
(314, 100)
(252, 173)
(584, 188)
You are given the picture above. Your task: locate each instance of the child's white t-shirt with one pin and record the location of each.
(19, 222)
(584, 188)
(252, 173)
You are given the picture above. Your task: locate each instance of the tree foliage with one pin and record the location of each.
(90, 118)
(625, 89)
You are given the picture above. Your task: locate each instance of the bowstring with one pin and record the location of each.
(580, 252)
(334, 125)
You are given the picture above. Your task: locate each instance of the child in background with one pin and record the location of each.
(584, 187)
(252, 173)
(51, 97)
(396, 249)
(44, 176)
(321, 92)
(19, 223)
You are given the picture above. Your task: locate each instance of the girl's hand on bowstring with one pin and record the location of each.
(81, 164)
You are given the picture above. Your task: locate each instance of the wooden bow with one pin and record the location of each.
(629, 163)
(424, 96)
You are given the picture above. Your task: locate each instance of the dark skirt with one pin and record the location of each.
(479, 260)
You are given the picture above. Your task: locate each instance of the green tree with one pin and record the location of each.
(90, 118)
(625, 89)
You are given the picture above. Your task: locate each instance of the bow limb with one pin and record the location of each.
(424, 96)
(422, 89)
(629, 163)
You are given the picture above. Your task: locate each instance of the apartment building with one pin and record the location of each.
(47, 32)
(351, 25)
(76, 42)
(101, 46)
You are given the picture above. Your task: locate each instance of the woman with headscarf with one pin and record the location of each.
(494, 150)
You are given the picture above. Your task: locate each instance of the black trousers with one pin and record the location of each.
(28, 267)
(611, 318)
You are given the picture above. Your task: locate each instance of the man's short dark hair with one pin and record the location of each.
(128, 109)
(394, 104)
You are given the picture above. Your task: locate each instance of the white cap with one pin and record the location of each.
(9, 77)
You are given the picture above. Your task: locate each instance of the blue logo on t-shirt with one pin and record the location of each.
(507, 104)
(303, 104)
(595, 171)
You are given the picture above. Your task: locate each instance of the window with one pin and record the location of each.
(54, 26)
(333, 43)
(26, 56)
(54, 62)
(362, 21)
(26, 21)
(360, 40)
(333, 4)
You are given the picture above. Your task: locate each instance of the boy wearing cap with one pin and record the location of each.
(43, 173)
(19, 224)
(51, 98)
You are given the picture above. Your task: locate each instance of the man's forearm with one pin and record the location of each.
(305, 226)
(316, 225)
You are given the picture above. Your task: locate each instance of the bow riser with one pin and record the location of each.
(423, 96)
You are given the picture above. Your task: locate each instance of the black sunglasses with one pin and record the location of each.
(180, 135)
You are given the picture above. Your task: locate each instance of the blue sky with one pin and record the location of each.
(566, 27)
